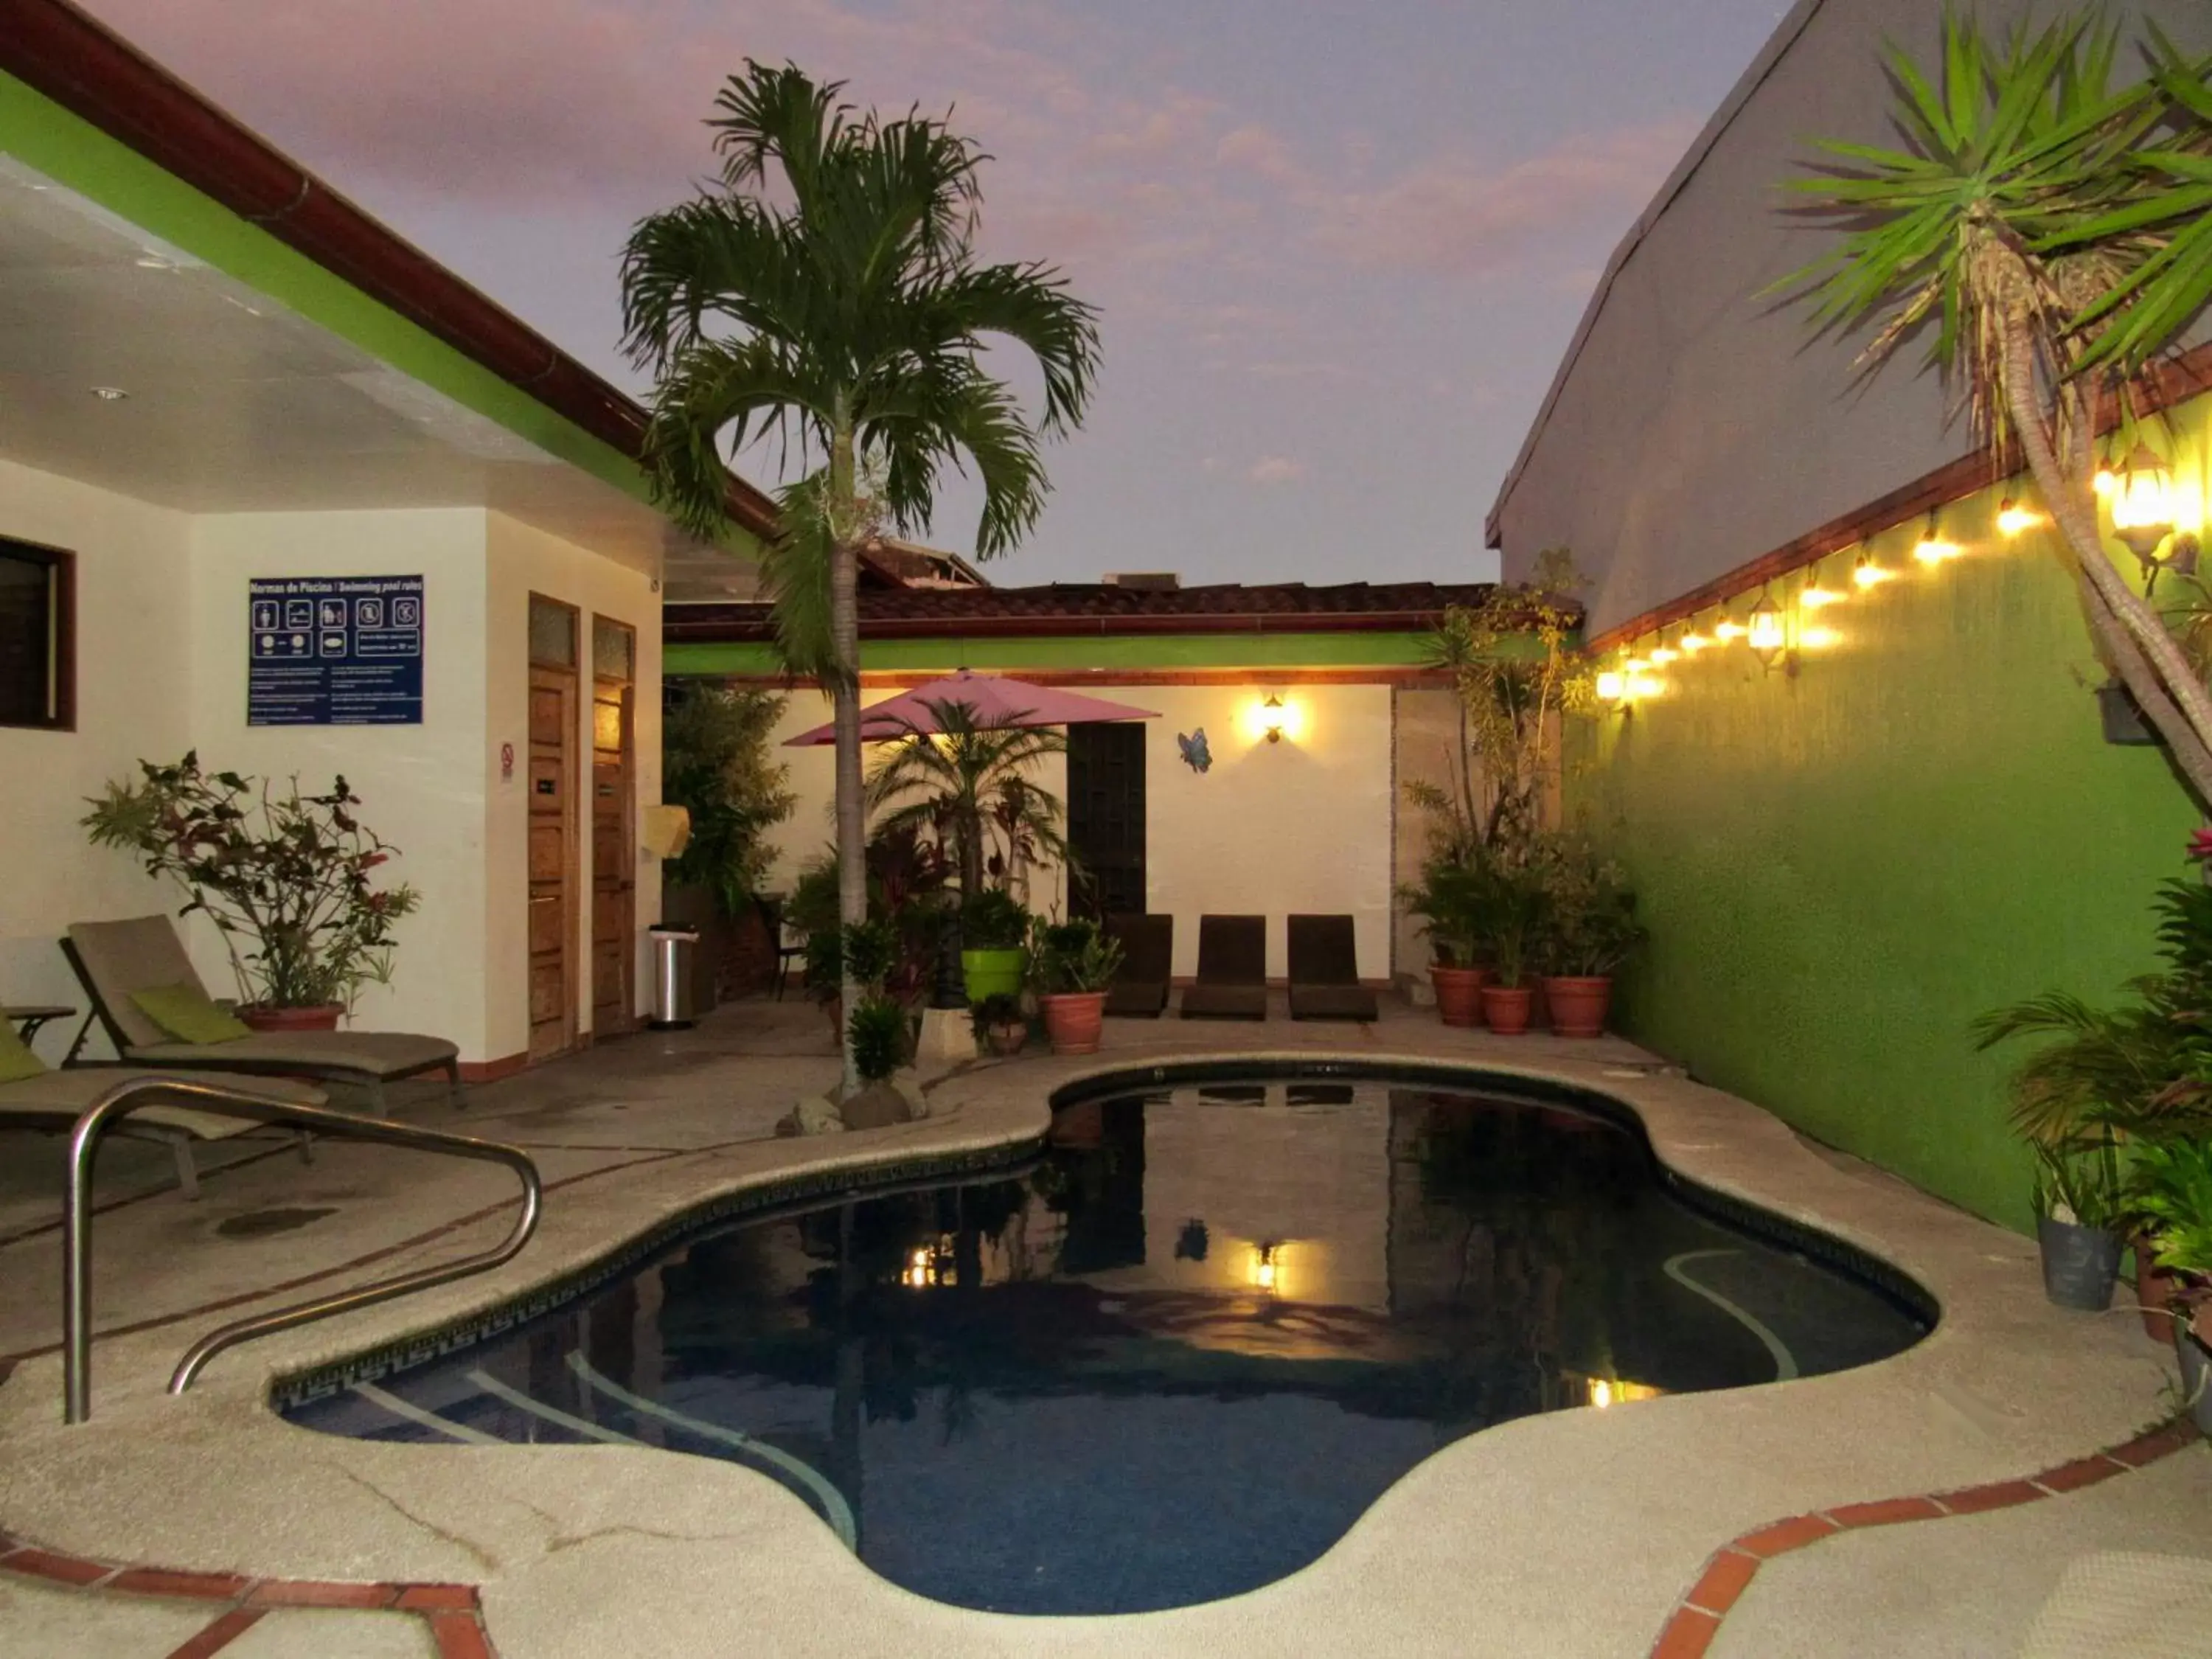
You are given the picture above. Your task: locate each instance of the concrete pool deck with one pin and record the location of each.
(1574, 1533)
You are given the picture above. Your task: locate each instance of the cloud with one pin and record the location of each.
(1276, 470)
(1459, 217)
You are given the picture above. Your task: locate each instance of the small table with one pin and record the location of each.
(30, 1016)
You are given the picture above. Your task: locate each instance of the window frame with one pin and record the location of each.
(61, 565)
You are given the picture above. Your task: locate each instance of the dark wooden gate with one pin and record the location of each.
(1106, 816)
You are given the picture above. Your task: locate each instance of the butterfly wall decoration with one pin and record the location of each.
(1195, 754)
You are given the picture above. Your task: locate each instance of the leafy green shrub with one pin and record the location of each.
(877, 1031)
(1070, 956)
(2173, 1196)
(994, 919)
(717, 764)
(999, 1008)
(871, 951)
(1589, 926)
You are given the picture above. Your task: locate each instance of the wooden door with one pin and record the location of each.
(614, 855)
(552, 861)
(1106, 815)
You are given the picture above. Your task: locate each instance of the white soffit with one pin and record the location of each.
(232, 402)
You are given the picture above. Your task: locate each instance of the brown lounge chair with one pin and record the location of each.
(114, 958)
(53, 1101)
(1232, 970)
(1325, 971)
(1140, 987)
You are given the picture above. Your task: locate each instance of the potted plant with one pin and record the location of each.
(2077, 1215)
(284, 877)
(1072, 963)
(994, 931)
(1450, 898)
(1513, 909)
(2173, 1197)
(1590, 930)
(1000, 1021)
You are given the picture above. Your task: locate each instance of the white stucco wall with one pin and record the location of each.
(162, 653)
(133, 679)
(1302, 825)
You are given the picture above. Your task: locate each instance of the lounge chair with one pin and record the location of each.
(1325, 971)
(1140, 987)
(114, 958)
(1232, 970)
(53, 1101)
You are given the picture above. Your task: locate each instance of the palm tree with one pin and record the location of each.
(2055, 231)
(841, 304)
(964, 780)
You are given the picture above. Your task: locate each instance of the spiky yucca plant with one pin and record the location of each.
(2053, 228)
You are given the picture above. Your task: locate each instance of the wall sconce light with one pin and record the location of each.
(1266, 1263)
(1765, 633)
(1868, 574)
(1611, 685)
(1932, 549)
(2147, 509)
(2014, 519)
(1271, 718)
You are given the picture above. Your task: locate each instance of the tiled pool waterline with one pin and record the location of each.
(1176, 1355)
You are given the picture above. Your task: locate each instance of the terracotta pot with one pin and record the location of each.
(257, 1017)
(1505, 1008)
(1075, 1018)
(2156, 1290)
(1459, 994)
(1579, 1003)
(1009, 1039)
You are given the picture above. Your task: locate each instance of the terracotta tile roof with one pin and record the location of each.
(1100, 608)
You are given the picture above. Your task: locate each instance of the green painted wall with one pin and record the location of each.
(1841, 869)
(1160, 651)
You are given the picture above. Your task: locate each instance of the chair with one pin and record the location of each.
(1232, 970)
(790, 947)
(1325, 971)
(54, 1101)
(1141, 986)
(114, 958)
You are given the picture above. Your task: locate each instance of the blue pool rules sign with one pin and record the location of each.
(334, 651)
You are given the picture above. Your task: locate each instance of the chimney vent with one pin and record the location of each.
(1147, 581)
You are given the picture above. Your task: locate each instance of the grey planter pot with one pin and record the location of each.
(2196, 1376)
(2079, 1264)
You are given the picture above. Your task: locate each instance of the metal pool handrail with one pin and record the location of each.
(125, 1098)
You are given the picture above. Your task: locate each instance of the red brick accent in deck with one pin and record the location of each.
(1728, 1572)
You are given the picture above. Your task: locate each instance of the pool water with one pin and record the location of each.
(1176, 1356)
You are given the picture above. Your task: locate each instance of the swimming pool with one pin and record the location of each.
(1177, 1352)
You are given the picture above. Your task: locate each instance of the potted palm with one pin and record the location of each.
(1449, 899)
(2172, 1196)
(2077, 1216)
(1072, 964)
(285, 877)
(1590, 931)
(1513, 910)
(994, 931)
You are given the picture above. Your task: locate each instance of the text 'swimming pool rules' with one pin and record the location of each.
(335, 650)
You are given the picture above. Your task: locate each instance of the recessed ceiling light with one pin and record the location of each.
(110, 394)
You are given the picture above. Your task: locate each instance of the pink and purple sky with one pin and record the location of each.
(1339, 248)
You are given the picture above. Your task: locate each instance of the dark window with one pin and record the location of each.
(35, 627)
(1106, 816)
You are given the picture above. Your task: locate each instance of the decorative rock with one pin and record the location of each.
(876, 1107)
(814, 1115)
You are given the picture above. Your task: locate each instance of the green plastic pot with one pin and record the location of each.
(993, 973)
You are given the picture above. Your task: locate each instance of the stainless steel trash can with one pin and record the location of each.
(673, 1008)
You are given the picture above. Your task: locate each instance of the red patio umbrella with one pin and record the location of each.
(992, 702)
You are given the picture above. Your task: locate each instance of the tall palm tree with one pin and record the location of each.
(2054, 230)
(839, 303)
(964, 780)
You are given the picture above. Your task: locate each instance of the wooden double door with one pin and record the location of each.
(557, 895)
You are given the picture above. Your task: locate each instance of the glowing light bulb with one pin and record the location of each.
(2106, 482)
(1693, 643)
(1870, 574)
(1933, 549)
(2014, 519)
(1730, 630)
(1611, 685)
(1601, 1393)
(1815, 639)
(1817, 598)
(1664, 654)
(1637, 666)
